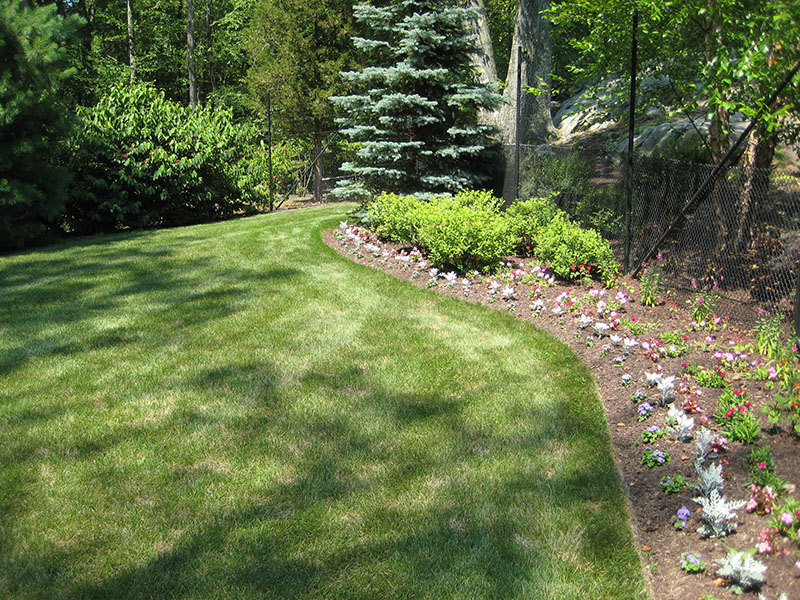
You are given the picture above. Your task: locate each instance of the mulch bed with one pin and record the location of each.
(652, 512)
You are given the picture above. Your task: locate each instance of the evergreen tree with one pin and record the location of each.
(33, 120)
(414, 110)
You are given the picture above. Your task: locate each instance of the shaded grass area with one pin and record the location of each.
(234, 411)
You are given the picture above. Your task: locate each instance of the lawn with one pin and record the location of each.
(235, 411)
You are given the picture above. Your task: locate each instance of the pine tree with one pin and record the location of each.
(33, 120)
(414, 110)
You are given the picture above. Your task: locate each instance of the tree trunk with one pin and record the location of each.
(190, 53)
(532, 32)
(719, 141)
(131, 48)
(757, 161)
(317, 164)
(209, 42)
(483, 60)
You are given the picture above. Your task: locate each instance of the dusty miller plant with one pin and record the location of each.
(685, 424)
(718, 513)
(709, 479)
(703, 446)
(742, 570)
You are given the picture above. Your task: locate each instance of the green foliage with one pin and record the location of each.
(456, 235)
(760, 465)
(567, 177)
(570, 249)
(720, 58)
(527, 217)
(394, 218)
(141, 160)
(298, 49)
(33, 121)
(650, 287)
(414, 106)
(743, 426)
(672, 484)
(768, 335)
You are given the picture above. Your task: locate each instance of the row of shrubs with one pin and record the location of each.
(470, 231)
(137, 159)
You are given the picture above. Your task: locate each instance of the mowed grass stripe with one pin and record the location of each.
(234, 411)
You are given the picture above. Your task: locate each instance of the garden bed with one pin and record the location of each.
(528, 293)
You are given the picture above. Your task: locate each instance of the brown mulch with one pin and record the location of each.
(660, 544)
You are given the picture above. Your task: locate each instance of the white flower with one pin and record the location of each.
(584, 321)
(508, 292)
(629, 344)
(600, 328)
(615, 339)
(450, 277)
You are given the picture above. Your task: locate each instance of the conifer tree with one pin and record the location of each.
(415, 105)
(33, 120)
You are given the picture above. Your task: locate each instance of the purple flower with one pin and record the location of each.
(683, 513)
(644, 408)
(626, 379)
(659, 456)
(653, 429)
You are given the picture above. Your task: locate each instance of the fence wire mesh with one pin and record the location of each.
(741, 241)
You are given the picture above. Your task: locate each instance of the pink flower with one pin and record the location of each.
(752, 505)
(787, 518)
(762, 465)
(709, 339)
(763, 547)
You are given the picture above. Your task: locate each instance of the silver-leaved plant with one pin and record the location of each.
(742, 570)
(718, 514)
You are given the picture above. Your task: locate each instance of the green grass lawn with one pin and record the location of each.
(234, 411)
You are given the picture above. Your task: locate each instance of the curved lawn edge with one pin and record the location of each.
(593, 408)
(230, 411)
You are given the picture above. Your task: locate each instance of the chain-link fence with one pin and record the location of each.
(741, 241)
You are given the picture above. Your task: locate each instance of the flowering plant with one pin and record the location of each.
(654, 458)
(692, 563)
(681, 517)
(672, 484)
(652, 433)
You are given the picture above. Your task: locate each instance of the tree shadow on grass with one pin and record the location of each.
(49, 306)
(330, 531)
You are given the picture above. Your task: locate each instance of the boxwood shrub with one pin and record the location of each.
(573, 251)
(463, 237)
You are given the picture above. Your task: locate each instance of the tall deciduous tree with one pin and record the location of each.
(414, 108)
(191, 69)
(298, 49)
(532, 34)
(723, 56)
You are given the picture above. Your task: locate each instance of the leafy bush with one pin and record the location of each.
(394, 218)
(527, 217)
(478, 200)
(462, 237)
(33, 121)
(141, 160)
(573, 251)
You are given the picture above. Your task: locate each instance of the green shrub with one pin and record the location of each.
(478, 200)
(526, 217)
(572, 250)
(393, 217)
(457, 236)
(141, 160)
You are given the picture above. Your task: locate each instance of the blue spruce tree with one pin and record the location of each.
(414, 108)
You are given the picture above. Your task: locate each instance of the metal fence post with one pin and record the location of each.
(797, 304)
(269, 150)
(631, 122)
(519, 123)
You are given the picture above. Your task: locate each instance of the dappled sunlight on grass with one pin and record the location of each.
(233, 411)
